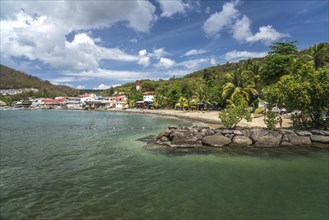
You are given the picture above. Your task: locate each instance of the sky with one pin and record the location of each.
(97, 44)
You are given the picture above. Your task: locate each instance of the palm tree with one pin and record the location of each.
(240, 86)
(318, 54)
(182, 102)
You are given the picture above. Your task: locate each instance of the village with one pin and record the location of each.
(87, 101)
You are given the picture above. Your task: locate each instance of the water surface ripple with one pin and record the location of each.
(89, 165)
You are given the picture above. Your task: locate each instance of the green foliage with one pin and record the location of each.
(270, 119)
(240, 86)
(282, 48)
(230, 117)
(13, 79)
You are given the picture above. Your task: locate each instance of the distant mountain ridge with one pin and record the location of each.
(13, 79)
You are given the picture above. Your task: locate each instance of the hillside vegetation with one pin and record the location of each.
(286, 77)
(13, 79)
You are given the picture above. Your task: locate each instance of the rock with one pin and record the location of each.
(230, 136)
(320, 138)
(318, 132)
(184, 139)
(275, 134)
(210, 132)
(267, 141)
(172, 127)
(163, 140)
(285, 138)
(241, 141)
(303, 133)
(216, 140)
(285, 131)
(237, 132)
(256, 133)
(226, 131)
(165, 133)
(299, 140)
(285, 144)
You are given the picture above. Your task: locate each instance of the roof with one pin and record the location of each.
(148, 93)
(51, 101)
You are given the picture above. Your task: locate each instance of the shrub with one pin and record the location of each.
(230, 117)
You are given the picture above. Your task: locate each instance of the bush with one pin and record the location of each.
(230, 117)
(270, 119)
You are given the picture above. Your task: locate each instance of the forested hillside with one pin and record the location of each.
(13, 79)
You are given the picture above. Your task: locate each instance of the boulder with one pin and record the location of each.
(237, 132)
(318, 132)
(216, 140)
(267, 141)
(165, 133)
(286, 131)
(256, 133)
(163, 140)
(299, 140)
(320, 138)
(303, 133)
(226, 131)
(184, 139)
(285, 144)
(210, 132)
(285, 138)
(241, 141)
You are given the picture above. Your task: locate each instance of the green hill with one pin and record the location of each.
(13, 79)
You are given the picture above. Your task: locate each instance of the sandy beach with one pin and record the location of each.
(209, 118)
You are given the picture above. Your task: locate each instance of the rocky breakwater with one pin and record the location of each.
(198, 137)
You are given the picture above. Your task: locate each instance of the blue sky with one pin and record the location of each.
(96, 44)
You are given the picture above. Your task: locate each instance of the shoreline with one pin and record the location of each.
(210, 118)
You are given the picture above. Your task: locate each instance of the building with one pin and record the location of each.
(138, 85)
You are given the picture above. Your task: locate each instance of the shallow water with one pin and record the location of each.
(89, 165)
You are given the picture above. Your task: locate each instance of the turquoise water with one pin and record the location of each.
(89, 165)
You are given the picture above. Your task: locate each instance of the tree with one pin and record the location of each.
(319, 55)
(240, 85)
(277, 62)
(231, 116)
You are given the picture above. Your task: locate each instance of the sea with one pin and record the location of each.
(92, 165)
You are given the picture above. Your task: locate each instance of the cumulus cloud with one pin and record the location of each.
(192, 64)
(41, 38)
(103, 86)
(169, 8)
(235, 55)
(143, 59)
(139, 15)
(217, 21)
(213, 61)
(266, 34)
(194, 52)
(165, 63)
(159, 52)
(230, 18)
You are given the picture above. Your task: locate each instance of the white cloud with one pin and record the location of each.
(266, 34)
(143, 59)
(194, 52)
(81, 87)
(158, 53)
(235, 55)
(213, 61)
(103, 86)
(241, 29)
(169, 8)
(228, 18)
(217, 21)
(192, 64)
(41, 38)
(165, 63)
(139, 15)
